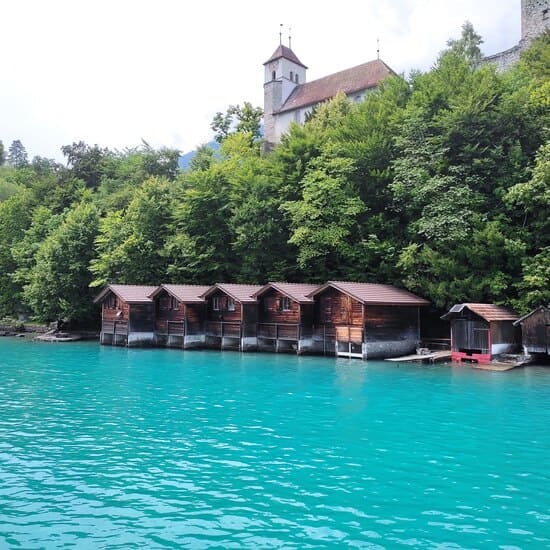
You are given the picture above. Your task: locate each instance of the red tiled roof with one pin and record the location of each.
(240, 293)
(299, 292)
(375, 294)
(287, 53)
(492, 312)
(362, 77)
(128, 293)
(184, 293)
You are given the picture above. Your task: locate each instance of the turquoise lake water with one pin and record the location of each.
(113, 448)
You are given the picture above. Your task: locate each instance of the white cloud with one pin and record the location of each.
(113, 72)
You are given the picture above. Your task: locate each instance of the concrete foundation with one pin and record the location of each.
(249, 343)
(194, 341)
(141, 339)
(385, 350)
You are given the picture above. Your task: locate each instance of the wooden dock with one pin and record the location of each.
(508, 363)
(431, 357)
(59, 337)
(496, 366)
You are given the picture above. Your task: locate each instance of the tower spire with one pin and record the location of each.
(290, 37)
(378, 48)
(280, 34)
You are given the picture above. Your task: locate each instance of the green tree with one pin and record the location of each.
(130, 243)
(467, 46)
(237, 119)
(15, 216)
(324, 223)
(58, 284)
(17, 155)
(199, 244)
(203, 159)
(88, 163)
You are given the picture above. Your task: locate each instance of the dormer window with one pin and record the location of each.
(291, 76)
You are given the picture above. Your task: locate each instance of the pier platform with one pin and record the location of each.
(431, 357)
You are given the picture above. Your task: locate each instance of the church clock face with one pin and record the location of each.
(273, 66)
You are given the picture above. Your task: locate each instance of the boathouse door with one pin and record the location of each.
(470, 336)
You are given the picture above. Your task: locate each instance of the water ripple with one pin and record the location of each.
(111, 448)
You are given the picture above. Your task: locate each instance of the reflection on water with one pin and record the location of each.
(107, 448)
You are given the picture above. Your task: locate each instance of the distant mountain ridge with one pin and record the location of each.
(185, 160)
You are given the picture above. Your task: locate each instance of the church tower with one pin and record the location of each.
(535, 19)
(283, 73)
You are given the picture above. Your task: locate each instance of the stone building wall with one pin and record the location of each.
(535, 20)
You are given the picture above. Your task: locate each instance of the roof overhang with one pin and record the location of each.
(527, 315)
(278, 288)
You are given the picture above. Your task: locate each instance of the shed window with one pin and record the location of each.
(174, 304)
(216, 303)
(230, 304)
(111, 301)
(285, 303)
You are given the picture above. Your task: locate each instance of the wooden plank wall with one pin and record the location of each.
(336, 308)
(390, 322)
(270, 309)
(223, 313)
(142, 317)
(536, 332)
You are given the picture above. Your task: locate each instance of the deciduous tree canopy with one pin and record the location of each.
(439, 183)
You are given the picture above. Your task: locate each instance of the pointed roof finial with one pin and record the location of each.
(378, 48)
(290, 37)
(280, 34)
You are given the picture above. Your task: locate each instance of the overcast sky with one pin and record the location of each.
(113, 72)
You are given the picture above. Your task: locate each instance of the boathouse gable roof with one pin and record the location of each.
(243, 294)
(541, 308)
(128, 293)
(184, 293)
(298, 292)
(374, 294)
(488, 312)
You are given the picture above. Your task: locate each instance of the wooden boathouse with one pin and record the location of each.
(479, 332)
(535, 330)
(180, 312)
(285, 317)
(231, 316)
(366, 320)
(127, 315)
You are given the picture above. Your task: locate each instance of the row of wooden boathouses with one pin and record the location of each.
(350, 319)
(345, 318)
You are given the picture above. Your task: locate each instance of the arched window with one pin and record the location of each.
(291, 76)
(273, 75)
(296, 78)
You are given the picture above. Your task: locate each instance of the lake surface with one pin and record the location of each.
(113, 448)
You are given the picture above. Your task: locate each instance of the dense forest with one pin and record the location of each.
(438, 183)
